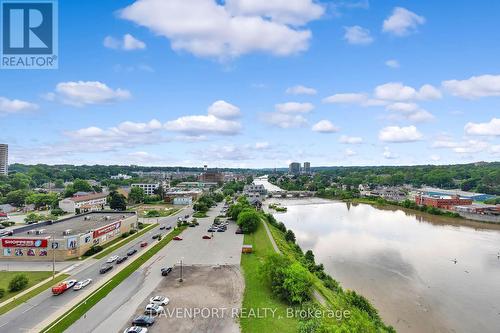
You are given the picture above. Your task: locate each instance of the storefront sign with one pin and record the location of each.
(107, 229)
(24, 242)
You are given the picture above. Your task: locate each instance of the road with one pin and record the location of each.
(114, 312)
(26, 316)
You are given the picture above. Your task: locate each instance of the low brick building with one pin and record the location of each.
(442, 202)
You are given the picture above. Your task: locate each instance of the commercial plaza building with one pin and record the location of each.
(4, 159)
(67, 238)
(84, 203)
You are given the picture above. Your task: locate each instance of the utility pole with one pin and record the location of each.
(180, 279)
(53, 259)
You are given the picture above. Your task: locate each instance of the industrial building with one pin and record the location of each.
(84, 203)
(443, 202)
(211, 176)
(4, 159)
(148, 188)
(66, 238)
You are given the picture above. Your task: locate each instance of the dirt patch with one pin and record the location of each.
(203, 302)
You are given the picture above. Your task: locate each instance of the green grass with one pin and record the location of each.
(200, 215)
(34, 278)
(258, 293)
(110, 247)
(81, 308)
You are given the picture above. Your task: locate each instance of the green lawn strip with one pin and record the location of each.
(85, 305)
(258, 293)
(200, 215)
(113, 246)
(21, 299)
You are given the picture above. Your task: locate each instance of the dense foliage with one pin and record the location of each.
(18, 282)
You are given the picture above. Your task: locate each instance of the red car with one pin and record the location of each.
(177, 238)
(206, 237)
(144, 244)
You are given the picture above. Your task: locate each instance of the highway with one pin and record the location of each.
(26, 316)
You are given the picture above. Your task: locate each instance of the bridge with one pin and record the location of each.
(291, 194)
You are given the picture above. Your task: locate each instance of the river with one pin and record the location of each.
(404, 262)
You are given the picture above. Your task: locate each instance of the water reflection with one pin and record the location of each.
(402, 261)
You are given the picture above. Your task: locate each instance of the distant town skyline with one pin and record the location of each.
(329, 82)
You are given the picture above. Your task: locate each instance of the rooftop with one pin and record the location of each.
(78, 224)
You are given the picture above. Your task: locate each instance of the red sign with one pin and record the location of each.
(107, 229)
(24, 242)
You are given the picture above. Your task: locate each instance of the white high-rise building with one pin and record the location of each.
(4, 159)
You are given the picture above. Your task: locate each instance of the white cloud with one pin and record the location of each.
(199, 125)
(491, 128)
(301, 90)
(396, 91)
(346, 98)
(208, 28)
(388, 154)
(392, 63)
(410, 111)
(294, 107)
(261, 145)
(349, 152)
(284, 120)
(351, 140)
(399, 134)
(15, 105)
(127, 43)
(224, 110)
(474, 87)
(87, 93)
(357, 35)
(435, 157)
(325, 126)
(402, 22)
(294, 12)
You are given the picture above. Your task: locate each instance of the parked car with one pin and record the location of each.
(144, 244)
(160, 300)
(179, 238)
(166, 271)
(192, 225)
(112, 259)
(221, 230)
(212, 229)
(153, 309)
(238, 231)
(121, 259)
(131, 252)
(81, 284)
(143, 321)
(206, 237)
(105, 268)
(136, 329)
(186, 216)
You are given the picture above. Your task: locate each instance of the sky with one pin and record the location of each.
(261, 83)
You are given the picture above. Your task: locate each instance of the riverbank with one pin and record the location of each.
(403, 261)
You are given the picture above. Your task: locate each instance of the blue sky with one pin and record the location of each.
(260, 83)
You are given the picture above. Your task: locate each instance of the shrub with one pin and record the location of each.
(297, 284)
(125, 235)
(132, 231)
(361, 303)
(18, 282)
(93, 250)
(248, 220)
(2, 292)
(57, 212)
(282, 227)
(290, 236)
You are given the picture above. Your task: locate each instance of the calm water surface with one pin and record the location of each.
(404, 263)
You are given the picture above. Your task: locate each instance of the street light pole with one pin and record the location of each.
(180, 279)
(53, 259)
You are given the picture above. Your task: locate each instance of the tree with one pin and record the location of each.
(248, 220)
(18, 282)
(136, 195)
(290, 236)
(297, 284)
(309, 256)
(117, 201)
(16, 198)
(80, 185)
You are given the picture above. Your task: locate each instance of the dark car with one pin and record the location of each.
(166, 271)
(221, 230)
(131, 252)
(121, 259)
(186, 216)
(238, 231)
(143, 321)
(212, 230)
(162, 227)
(192, 225)
(168, 227)
(105, 268)
(156, 236)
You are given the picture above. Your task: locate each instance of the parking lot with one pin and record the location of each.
(203, 302)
